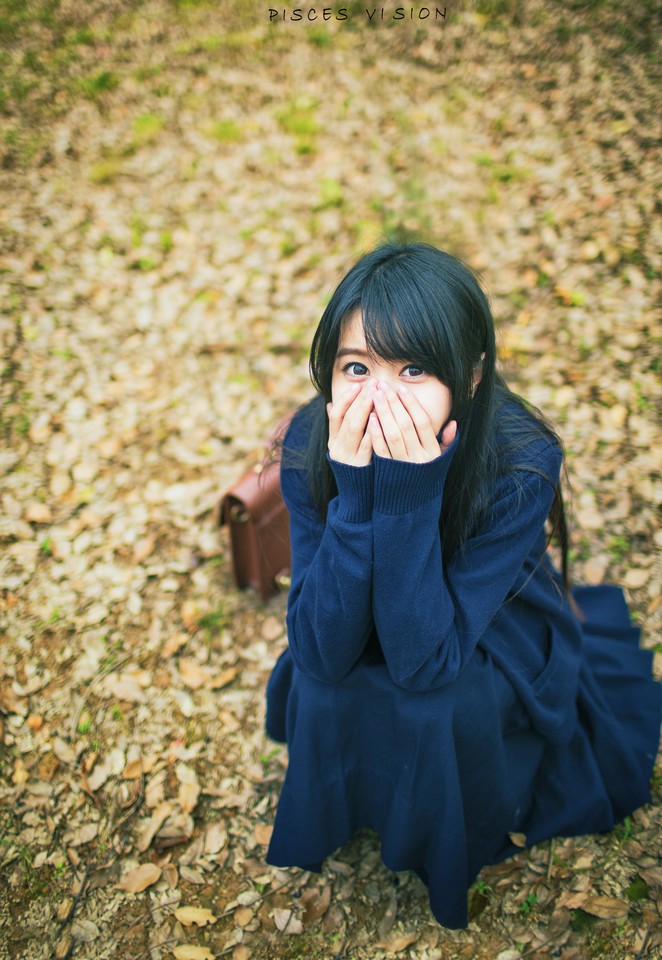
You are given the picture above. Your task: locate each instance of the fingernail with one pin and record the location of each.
(379, 397)
(402, 390)
(383, 385)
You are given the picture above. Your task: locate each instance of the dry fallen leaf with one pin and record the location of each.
(124, 688)
(189, 613)
(135, 768)
(38, 513)
(188, 796)
(215, 838)
(173, 644)
(142, 549)
(140, 878)
(519, 839)
(158, 817)
(193, 674)
(315, 904)
(272, 628)
(607, 908)
(190, 952)
(263, 833)
(198, 915)
(223, 678)
(635, 578)
(397, 942)
(285, 921)
(243, 916)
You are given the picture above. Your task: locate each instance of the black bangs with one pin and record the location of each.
(401, 323)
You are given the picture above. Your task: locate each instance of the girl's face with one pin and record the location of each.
(353, 364)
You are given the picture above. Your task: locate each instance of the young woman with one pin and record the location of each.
(441, 685)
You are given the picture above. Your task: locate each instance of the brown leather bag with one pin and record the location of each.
(259, 525)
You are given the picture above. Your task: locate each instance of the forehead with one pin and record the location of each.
(352, 334)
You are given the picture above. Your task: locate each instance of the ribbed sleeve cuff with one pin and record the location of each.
(355, 491)
(401, 487)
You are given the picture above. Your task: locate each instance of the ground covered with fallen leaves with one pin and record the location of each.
(181, 187)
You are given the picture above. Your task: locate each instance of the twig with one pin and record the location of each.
(550, 861)
(76, 901)
(644, 945)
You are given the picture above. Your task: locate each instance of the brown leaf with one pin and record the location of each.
(398, 942)
(315, 904)
(272, 628)
(607, 908)
(13, 703)
(519, 839)
(142, 549)
(652, 876)
(223, 678)
(38, 513)
(263, 833)
(158, 817)
(635, 578)
(173, 644)
(285, 921)
(136, 767)
(243, 916)
(189, 613)
(198, 915)
(193, 674)
(140, 878)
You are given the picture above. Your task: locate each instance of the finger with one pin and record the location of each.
(420, 419)
(379, 444)
(390, 427)
(360, 407)
(365, 450)
(448, 435)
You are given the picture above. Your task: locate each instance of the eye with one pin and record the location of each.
(355, 369)
(413, 371)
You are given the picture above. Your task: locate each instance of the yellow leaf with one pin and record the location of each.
(140, 878)
(190, 952)
(199, 915)
(188, 796)
(38, 513)
(140, 765)
(193, 674)
(173, 644)
(222, 680)
(263, 833)
(189, 613)
(636, 578)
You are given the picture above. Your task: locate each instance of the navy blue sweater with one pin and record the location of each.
(447, 704)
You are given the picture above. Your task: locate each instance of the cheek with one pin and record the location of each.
(437, 404)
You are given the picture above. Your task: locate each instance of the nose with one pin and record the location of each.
(388, 381)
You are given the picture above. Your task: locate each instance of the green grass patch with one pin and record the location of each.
(105, 171)
(95, 86)
(146, 128)
(225, 131)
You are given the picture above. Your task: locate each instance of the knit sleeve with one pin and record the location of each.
(430, 616)
(329, 616)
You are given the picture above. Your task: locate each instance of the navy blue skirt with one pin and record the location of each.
(444, 776)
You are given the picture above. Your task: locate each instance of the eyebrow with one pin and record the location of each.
(351, 351)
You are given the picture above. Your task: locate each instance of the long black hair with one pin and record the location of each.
(424, 306)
